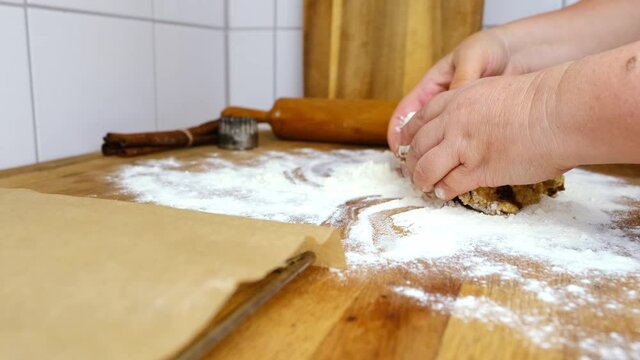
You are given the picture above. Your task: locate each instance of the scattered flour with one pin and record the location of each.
(537, 328)
(302, 186)
(573, 237)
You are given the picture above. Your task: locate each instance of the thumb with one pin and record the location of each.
(435, 81)
(458, 181)
(467, 69)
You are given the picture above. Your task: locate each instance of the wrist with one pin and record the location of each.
(557, 129)
(597, 107)
(516, 47)
(501, 34)
(576, 114)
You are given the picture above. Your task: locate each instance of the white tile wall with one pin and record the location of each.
(92, 74)
(251, 13)
(251, 68)
(289, 13)
(138, 8)
(17, 143)
(141, 65)
(190, 66)
(497, 12)
(201, 12)
(289, 63)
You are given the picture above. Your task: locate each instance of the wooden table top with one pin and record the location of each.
(322, 314)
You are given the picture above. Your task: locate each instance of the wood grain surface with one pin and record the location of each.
(380, 49)
(326, 315)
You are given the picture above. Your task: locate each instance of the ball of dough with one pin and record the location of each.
(509, 199)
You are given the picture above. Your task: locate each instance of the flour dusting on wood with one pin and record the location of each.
(566, 252)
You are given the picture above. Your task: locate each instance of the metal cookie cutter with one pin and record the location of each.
(238, 133)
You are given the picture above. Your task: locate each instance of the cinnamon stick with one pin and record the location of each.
(126, 145)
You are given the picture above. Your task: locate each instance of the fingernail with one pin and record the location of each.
(439, 193)
(404, 120)
(403, 150)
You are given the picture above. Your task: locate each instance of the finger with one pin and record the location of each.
(434, 166)
(467, 68)
(459, 181)
(428, 137)
(435, 81)
(429, 112)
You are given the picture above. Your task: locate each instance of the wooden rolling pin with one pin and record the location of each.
(327, 120)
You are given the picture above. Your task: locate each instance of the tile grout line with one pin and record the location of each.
(155, 66)
(252, 28)
(108, 15)
(275, 50)
(12, 4)
(227, 55)
(31, 90)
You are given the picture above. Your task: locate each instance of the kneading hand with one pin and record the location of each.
(492, 132)
(483, 54)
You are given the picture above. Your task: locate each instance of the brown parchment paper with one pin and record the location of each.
(85, 278)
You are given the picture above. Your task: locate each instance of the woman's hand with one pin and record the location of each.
(485, 53)
(525, 46)
(492, 132)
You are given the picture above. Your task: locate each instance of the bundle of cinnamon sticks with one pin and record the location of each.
(146, 143)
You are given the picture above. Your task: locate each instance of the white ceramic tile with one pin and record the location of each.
(251, 13)
(289, 13)
(91, 75)
(17, 142)
(138, 8)
(289, 74)
(497, 12)
(203, 12)
(15, 1)
(190, 75)
(251, 68)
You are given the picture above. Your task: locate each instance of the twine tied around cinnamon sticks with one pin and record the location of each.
(127, 145)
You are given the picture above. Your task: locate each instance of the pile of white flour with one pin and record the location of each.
(574, 236)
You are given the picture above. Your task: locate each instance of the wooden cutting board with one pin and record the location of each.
(326, 315)
(379, 49)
